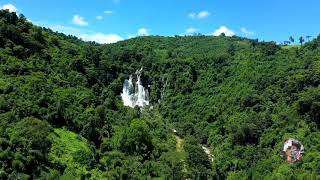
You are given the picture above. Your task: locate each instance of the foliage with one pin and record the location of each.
(61, 114)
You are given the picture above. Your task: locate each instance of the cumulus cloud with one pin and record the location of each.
(9, 7)
(199, 15)
(99, 17)
(203, 14)
(130, 36)
(225, 30)
(86, 35)
(247, 32)
(78, 20)
(101, 38)
(191, 30)
(108, 12)
(143, 32)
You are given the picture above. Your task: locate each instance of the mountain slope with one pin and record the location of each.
(240, 97)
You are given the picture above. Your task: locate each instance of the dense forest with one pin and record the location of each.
(62, 116)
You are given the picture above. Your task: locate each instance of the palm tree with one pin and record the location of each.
(291, 39)
(301, 39)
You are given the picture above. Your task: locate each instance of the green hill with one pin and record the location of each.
(62, 116)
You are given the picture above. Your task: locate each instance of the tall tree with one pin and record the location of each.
(301, 40)
(291, 39)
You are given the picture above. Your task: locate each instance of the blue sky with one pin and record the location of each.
(108, 21)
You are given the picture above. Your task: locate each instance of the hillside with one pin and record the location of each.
(62, 116)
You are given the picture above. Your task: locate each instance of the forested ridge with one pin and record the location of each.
(62, 117)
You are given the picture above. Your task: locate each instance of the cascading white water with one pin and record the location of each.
(127, 92)
(137, 96)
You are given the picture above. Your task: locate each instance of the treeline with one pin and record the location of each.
(61, 114)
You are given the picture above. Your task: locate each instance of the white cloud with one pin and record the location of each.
(131, 36)
(225, 30)
(86, 35)
(9, 7)
(191, 30)
(101, 38)
(247, 32)
(199, 15)
(203, 14)
(99, 17)
(108, 12)
(143, 32)
(78, 20)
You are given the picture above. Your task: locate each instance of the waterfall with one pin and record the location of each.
(208, 152)
(164, 84)
(134, 95)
